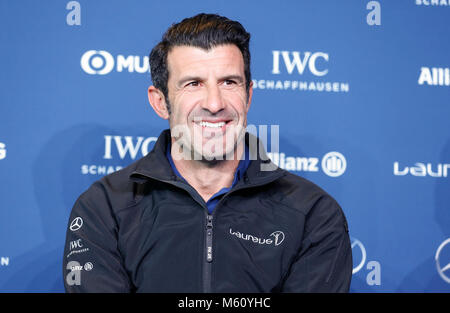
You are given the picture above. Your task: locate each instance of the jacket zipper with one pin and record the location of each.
(209, 256)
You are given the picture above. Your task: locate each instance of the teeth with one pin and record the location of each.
(214, 125)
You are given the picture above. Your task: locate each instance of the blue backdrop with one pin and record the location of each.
(360, 90)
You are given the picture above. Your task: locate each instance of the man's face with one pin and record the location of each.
(208, 99)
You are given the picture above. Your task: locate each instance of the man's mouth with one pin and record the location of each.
(213, 125)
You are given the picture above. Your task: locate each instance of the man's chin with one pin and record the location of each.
(215, 157)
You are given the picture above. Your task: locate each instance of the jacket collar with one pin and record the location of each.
(156, 166)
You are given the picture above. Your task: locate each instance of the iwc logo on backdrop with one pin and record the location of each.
(119, 148)
(100, 62)
(359, 254)
(333, 163)
(442, 3)
(300, 65)
(442, 259)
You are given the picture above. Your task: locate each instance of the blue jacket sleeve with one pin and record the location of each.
(92, 261)
(324, 261)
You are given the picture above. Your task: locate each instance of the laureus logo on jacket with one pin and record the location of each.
(276, 237)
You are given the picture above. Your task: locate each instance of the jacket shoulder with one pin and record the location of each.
(116, 190)
(301, 194)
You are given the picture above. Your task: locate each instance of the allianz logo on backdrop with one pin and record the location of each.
(299, 63)
(434, 76)
(333, 163)
(422, 169)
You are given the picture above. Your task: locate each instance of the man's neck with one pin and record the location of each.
(207, 178)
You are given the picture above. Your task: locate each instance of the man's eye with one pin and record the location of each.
(229, 82)
(193, 84)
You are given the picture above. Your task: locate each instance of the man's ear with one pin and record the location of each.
(249, 97)
(158, 102)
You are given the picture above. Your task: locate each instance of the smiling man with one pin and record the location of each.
(205, 210)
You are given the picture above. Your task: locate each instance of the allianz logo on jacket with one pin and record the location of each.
(277, 237)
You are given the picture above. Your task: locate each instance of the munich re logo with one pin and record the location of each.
(101, 62)
(443, 261)
(76, 224)
(334, 164)
(97, 62)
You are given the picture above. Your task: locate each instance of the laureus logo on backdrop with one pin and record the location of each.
(101, 62)
(422, 170)
(119, 148)
(359, 254)
(442, 259)
(300, 64)
(333, 163)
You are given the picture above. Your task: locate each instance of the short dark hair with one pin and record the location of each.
(204, 31)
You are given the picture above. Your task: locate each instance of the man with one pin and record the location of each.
(205, 210)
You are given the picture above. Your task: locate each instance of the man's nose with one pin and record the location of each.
(214, 102)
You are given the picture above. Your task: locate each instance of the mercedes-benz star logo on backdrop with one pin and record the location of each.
(443, 261)
(360, 247)
(76, 224)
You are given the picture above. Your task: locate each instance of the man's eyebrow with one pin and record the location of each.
(185, 79)
(239, 78)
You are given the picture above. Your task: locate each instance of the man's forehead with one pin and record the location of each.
(189, 57)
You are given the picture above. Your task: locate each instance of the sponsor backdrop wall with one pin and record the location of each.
(360, 91)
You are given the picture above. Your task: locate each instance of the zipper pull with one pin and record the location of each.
(209, 233)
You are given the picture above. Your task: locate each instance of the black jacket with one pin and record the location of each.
(143, 229)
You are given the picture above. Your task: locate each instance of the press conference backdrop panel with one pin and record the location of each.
(360, 91)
